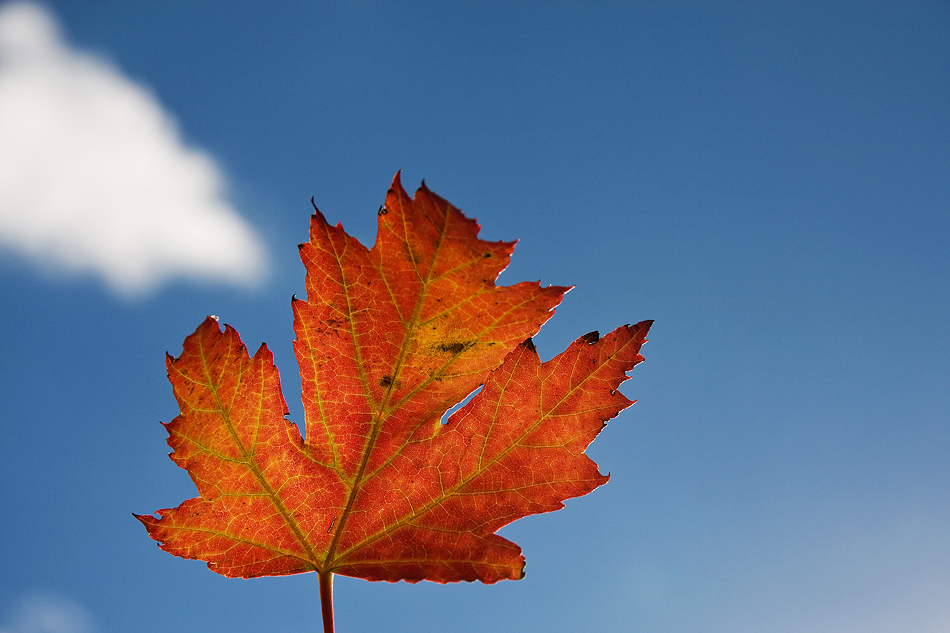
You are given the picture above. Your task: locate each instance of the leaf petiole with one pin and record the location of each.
(326, 600)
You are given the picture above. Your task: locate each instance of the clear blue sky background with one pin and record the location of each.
(769, 181)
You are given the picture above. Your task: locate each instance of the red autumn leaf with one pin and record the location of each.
(387, 341)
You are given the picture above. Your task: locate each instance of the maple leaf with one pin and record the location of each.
(387, 341)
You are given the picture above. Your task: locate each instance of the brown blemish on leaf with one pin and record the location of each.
(591, 337)
(454, 348)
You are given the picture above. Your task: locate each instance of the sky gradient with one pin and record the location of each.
(769, 182)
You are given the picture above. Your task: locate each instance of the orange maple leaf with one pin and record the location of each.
(387, 341)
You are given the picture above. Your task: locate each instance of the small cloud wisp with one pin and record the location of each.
(94, 175)
(42, 613)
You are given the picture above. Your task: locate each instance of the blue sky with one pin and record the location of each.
(770, 182)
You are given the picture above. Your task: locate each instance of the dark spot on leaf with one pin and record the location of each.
(591, 337)
(453, 348)
(386, 381)
(382, 210)
(487, 255)
(530, 345)
(613, 392)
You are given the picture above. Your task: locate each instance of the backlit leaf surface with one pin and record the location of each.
(387, 341)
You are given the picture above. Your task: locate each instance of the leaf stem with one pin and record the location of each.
(326, 600)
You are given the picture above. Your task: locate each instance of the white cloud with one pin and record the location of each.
(94, 175)
(49, 614)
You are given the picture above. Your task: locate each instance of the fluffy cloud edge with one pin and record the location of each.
(96, 178)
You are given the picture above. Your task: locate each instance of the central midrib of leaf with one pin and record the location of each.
(383, 411)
